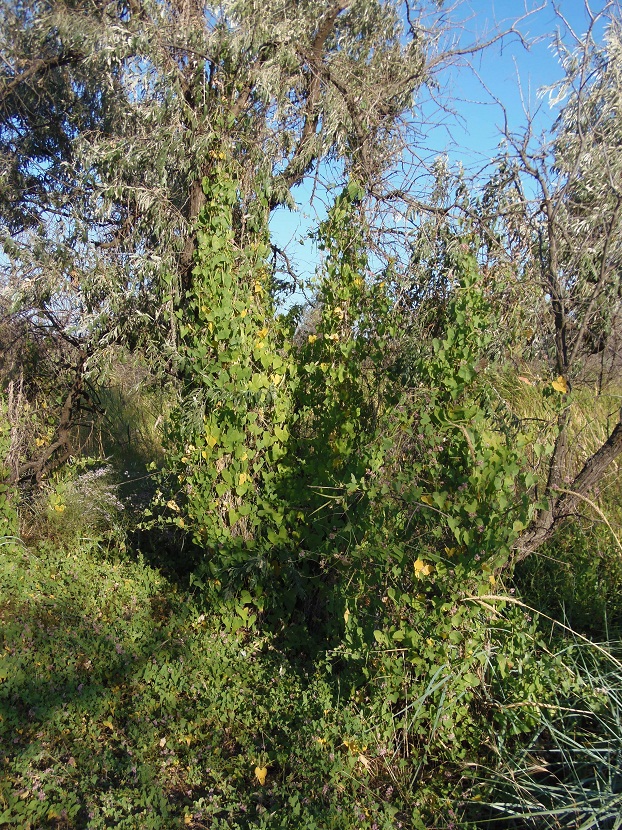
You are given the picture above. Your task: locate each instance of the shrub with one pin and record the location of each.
(79, 501)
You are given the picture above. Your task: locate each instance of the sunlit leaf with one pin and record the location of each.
(423, 568)
(560, 385)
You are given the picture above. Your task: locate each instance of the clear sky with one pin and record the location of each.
(470, 135)
(508, 71)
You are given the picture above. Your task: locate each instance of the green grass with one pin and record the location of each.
(123, 706)
(568, 773)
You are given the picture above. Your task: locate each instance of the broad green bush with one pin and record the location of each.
(285, 460)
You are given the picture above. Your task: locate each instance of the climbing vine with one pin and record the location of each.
(228, 436)
(329, 463)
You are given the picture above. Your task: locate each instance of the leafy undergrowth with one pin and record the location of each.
(121, 705)
(124, 704)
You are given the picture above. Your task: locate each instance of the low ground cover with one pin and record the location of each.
(124, 704)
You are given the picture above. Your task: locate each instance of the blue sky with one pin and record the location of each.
(509, 72)
(470, 135)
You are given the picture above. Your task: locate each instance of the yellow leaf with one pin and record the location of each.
(187, 819)
(346, 616)
(211, 441)
(353, 747)
(427, 500)
(423, 568)
(162, 741)
(260, 774)
(172, 505)
(243, 478)
(560, 385)
(108, 724)
(262, 332)
(363, 760)
(258, 288)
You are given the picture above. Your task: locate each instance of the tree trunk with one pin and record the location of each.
(563, 504)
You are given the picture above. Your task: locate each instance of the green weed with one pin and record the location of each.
(123, 706)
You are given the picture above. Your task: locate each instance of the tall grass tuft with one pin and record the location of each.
(569, 774)
(81, 502)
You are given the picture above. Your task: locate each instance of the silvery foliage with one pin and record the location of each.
(111, 114)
